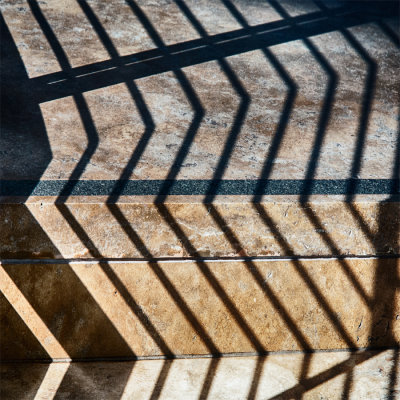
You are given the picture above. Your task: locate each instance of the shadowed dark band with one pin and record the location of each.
(201, 187)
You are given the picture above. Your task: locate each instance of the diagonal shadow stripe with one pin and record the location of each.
(118, 188)
(81, 105)
(151, 62)
(119, 216)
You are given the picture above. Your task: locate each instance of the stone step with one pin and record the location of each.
(199, 178)
(125, 309)
(183, 227)
(322, 375)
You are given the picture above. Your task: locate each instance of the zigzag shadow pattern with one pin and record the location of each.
(61, 278)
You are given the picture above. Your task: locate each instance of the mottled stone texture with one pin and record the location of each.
(142, 309)
(142, 230)
(278, 376)
(318, 99)
(135, 92)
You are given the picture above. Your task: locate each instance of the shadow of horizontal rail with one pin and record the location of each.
(151, 62)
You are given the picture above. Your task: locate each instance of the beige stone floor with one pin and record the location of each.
(343, 79)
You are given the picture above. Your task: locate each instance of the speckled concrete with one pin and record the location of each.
(331, 375)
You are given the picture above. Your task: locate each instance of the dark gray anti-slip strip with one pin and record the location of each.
(199, 187)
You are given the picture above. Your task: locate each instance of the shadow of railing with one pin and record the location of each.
(126, 69)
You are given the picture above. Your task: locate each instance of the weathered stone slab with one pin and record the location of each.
(228, 228)
(122, 309)
(276, 376)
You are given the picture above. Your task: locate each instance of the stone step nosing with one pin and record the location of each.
(356, 350)
(193, 259)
